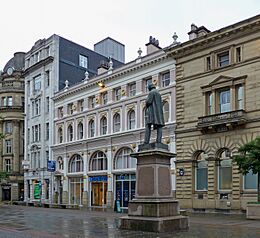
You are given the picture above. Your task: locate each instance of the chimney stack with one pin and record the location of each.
(196, 32)
(152, 45)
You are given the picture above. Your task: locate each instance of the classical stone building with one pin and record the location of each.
(217, 111)
(12, 129)
(100, 122)
(48, 66)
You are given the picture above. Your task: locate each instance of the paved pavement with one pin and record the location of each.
(33, 222)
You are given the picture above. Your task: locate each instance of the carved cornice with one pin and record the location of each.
(38, 65)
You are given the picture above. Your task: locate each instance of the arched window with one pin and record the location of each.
(224, 170)
(91, 128)
(60, 163)
(80, 131)
(60, 135)
(103, 126)
(145, 116)
(123, 160)
(98, 161)
(70, 133)
(76, 164)
(116, 122)
(131, 120)
(166, 111)
(201, 172)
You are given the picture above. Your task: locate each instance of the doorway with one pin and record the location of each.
(99, 192)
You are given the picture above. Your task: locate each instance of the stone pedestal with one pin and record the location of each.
(154, 208)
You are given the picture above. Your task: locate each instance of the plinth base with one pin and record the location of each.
(155, 224)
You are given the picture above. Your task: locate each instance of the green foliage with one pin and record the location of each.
(249, 157)
(4, 175)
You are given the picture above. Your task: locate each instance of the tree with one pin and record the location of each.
(248, 160)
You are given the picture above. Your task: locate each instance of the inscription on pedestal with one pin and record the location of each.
(164, 185)
(145, 185)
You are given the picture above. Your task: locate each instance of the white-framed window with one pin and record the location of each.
(166, 112)
(145, 116)
(104, 98)
(240, 97)
(92, 102)
(208, 63)
(60, 163)
(131, 120)
(83, 61)
(47, 104)
(8, 127)
(123, 160)
(76, 164)
(224, 101)
(70, 133)
(91, 127)
(117, 93)
(103, 126)
(147, 83)
(70, 108)
(209, 104)
(116, 122)
(132, 89)
(80, 130)
(60, 135)
(225, 171)
(37, 110)
(8, 146)
(8, 165)
(47, 133)
(98, 161)
(238, 54)
(47, 76)
(80, 105)
(37, 83)
(250, 181)
(223, 59)
(60, 112)
(165, 77)
(201, 172)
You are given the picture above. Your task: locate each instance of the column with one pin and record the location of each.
(16, 146)
(65, 186)
(109, 177)
(85, 180)
(232, 98)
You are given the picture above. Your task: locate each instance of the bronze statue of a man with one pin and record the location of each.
(154, 110)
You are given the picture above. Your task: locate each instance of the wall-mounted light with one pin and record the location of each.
(101, 84)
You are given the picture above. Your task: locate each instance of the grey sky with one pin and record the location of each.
(22, 22)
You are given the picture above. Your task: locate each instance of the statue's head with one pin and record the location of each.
(151, 86)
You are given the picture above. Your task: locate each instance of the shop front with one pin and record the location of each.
(125, 189)
(98, 186)
(75, 190)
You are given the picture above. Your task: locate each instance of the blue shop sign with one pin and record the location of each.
(51, 165)
(98, 179)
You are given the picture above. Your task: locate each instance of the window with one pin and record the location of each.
(145, 116)
(60, 163)
(117, 92)
(83, 61)
(47, 74)
(250, 181)
(98, 161)
(80, 131)
(47, 50)
(240, 97)
(131, 120)
(92, 102)
(47, 104)
(103, 126)
(70, 133)
(147, 83)
(165, 77)
(81, 105)
(9, 101)
(208, 63)
(37, 83)
(76, 164)
(91, 126)
(8, 165)
(238, 54)
(37, 105)
(225, 171)
(104, 98)
(132, 89)
(116, 122)
(22, 102)
(60, 135)
(47, 136)
(209, 104)
(37, 57)
(47, 154)
(8, 127)
(223, 59)
(60, 112)
(201, 172)
(124, 160)
(70, 108)
(166, 111)
(224, 101)
(8, 146)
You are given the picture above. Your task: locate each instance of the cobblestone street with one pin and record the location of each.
(31, 222)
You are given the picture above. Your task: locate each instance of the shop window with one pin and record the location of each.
(91, 127)
(103, 126)
(116, 122)
(124, 160)
(131, 120)
(80, 131)
(225, 171)
(201, 172)
(250, 181)
(76, 164)
(166, 111)
(98, 161)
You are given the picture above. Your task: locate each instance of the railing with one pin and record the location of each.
(12, 108)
